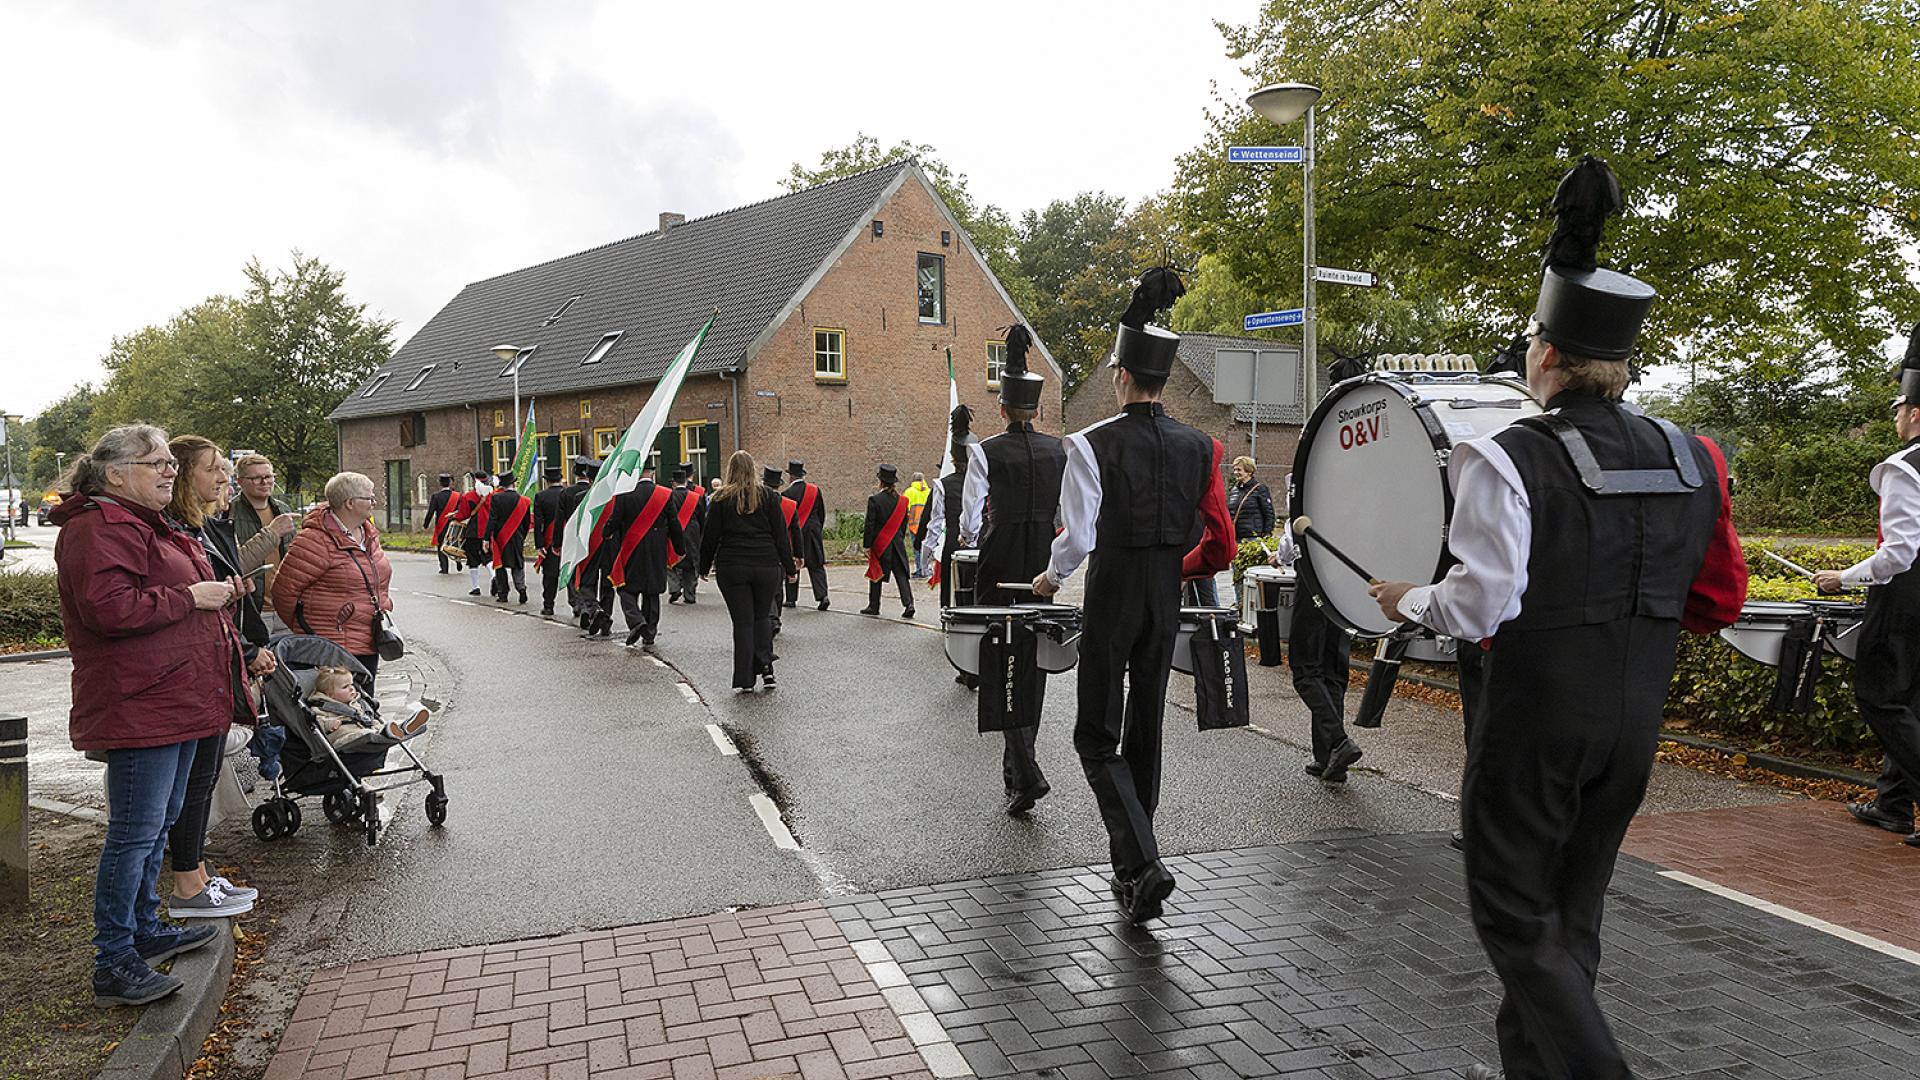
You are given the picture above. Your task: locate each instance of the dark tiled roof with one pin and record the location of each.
(657, 287)
(1196, 351)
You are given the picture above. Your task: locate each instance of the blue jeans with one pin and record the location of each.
(1205, 591)
(145, 789)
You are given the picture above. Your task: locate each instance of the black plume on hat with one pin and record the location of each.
(1511, 358)
(1913, 348)
(962, 423)
(1587, 196)
(1156, 292)
(1019, 340)
(1910, 369)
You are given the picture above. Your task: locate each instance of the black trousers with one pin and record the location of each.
(443, 559)
(1131, 617)
(1317, 653)
(750, 593)
(500, 575)
(1556, 767)
(683, 578)
(642, 611)
(550, 582)
(1886, 686)
(187, 839)
(596, 597)
(899, 575)
(817, 577)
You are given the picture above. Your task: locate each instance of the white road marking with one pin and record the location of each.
(929, 1036)
(654, 660)
(465, 603)
(721, 741)
(688, 692)
(1885, 948)
(770, 819)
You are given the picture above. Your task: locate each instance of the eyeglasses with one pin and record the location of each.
(159, 465)
(253, 479)
(368, 499)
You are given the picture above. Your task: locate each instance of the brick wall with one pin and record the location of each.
(1190, 401)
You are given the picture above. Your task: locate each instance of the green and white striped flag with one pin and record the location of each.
(620, 472)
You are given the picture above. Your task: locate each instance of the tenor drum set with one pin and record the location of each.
(1760, 633)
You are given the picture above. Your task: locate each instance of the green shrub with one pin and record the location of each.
(30, 608)
(1816, 481)
(1717, 689)
(1252, 554)
(1831, 556)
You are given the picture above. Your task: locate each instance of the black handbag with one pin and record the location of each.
(386, 637)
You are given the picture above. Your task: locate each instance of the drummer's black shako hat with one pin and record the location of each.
(1910, 370)
(1584, 308)
(1019, 387)
(1139, 346)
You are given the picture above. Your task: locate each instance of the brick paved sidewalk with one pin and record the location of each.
(1808, 856)
(1344, 958)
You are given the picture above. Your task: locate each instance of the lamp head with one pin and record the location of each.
(1283, 103)
(505, 353)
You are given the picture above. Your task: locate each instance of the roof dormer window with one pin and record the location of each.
(378, 381)
(601, 348)
(562, 309)
(422, 377)
(519, 361)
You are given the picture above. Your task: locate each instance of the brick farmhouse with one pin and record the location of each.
(838, 306)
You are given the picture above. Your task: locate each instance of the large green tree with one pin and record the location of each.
(1767, 150)
(991, 228)
(61, 432)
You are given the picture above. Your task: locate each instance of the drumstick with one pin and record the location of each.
(1304, 526)
(1788, 563)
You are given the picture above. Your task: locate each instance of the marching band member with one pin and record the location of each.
(1586, 539)
(1318, 657)
(437, 509)
(642, 525)
(1886, 672)
(809, 527)
(789, 509)
(886, 542)
(682, 577)
(1012, 483)
(547, 534)
(1139, 489)
(474, 544)
(504, 520)
(584, 469)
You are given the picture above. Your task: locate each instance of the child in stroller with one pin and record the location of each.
(343, 762)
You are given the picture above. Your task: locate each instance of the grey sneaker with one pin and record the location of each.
(234, 892)
(211, 902)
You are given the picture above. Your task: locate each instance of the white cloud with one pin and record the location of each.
(417, 147)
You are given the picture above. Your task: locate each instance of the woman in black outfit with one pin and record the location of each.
(1250, 504)
(746, 539)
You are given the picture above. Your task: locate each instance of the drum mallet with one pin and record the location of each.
(1789, 564)
(1303, 525)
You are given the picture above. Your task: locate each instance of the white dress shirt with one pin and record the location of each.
(973, 495)
(936, 517)
(1491, 535)
(1079, 507)
(1899, 489)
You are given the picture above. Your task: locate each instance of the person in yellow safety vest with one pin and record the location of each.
(917, 493)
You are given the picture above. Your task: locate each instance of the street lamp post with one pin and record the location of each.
(1282, 104)
(13, 494)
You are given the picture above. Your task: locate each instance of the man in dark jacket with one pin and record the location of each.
(437, 516)
(548, 526)
(682, 580)
(886, 543)
(809, 529)
(504, 520)
(584, 469)
(257, 508)
(640, 525)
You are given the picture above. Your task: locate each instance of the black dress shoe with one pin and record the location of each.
(1023, 801)
(1119, 887)
(1870, 813)
(1458, 841)
(1912, 841)
(823, 605)
(1343, 755)
(633, 635)
(869, 611)
(1314, 769)
(673, 598)
(1149, 893)
(523, 596)
(789, 603)
(473, 592)
(907, 614)
(546, 612)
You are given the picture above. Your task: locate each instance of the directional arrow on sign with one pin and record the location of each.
(1267, 320)
(1345, 277)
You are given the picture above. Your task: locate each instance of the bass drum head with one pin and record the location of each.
(1373, 487)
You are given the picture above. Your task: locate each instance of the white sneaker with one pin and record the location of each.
(234, 892)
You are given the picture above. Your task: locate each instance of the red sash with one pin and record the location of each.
(885, 540)
(593, 543)
(809, 494)
(637, 532)
(507, 531)
(483, 509)
(463, 506)
(787, 509)
(440, 519)
(687, 506)
(933, 579)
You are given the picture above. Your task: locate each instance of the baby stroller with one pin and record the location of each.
(310, 765)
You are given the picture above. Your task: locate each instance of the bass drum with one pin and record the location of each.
(1372, 474)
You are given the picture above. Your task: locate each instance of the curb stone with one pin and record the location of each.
(166, 1040)
(28, 657)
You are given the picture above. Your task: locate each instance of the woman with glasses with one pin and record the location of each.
(154, 672)
(335, 577)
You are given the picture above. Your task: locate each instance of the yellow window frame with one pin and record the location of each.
(500, 464)
(611, 443)
(830, 377)
(570, 452)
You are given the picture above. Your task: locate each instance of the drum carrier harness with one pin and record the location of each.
(1682, 478)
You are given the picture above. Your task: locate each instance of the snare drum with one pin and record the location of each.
(964, 627)
(966, 569)
(1372, 469)
(1196, 620)
(1056, 636)
(1761, 627)
(1433, 649)
(1266, 589)
(1841, 629)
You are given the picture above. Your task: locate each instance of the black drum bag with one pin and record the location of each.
(1799, 666)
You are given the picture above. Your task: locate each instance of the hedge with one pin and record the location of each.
(30, 608)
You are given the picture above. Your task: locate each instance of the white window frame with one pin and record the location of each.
(602, 348)
(562, 309)
(519, 361)
(378, 381)
(940, 298)
(996, 364)
(830, 375)
(425, 370)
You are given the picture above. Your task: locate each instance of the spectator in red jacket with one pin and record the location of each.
(154, 671)
(335, 575)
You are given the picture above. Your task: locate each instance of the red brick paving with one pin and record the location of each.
(776, 992)
(1809, 856)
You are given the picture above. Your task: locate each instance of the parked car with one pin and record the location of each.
(47, 503)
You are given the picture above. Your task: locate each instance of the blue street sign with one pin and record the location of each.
(1267, 320)
(1247, 155)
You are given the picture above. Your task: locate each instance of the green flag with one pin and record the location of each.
(526, 460)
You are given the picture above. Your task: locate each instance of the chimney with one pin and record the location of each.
(668, 219)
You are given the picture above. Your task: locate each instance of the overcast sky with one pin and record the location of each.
(419, 146)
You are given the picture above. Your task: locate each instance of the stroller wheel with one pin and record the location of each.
(370, 815)
(340, 806)
(436, 809)
(290, 816)
(266, 821)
